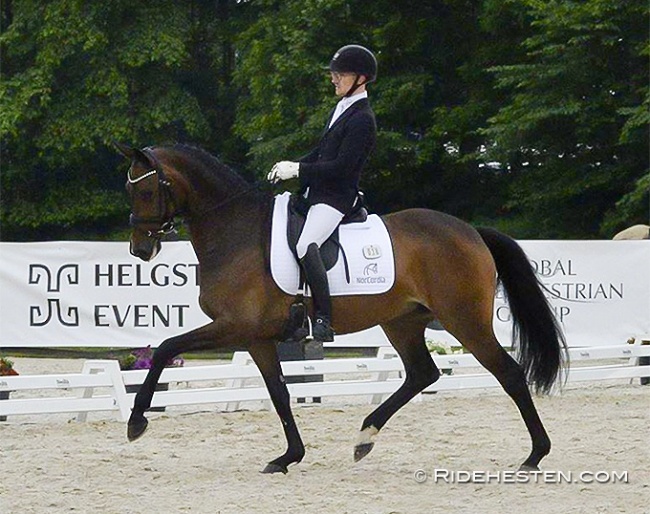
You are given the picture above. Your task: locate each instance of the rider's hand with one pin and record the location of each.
(283, 170)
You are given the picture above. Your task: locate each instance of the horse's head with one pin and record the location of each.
(152, 201)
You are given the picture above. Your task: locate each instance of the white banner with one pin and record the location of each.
(96, 294)
(599, 290)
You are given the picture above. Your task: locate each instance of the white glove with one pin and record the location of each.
(283, 170)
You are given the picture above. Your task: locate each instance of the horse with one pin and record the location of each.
(445, 271)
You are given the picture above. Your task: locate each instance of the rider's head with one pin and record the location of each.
(352, 67)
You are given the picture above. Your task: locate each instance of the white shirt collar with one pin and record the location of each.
(344, 103)
(349, 100)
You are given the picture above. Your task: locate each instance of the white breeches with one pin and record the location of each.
(321, 221)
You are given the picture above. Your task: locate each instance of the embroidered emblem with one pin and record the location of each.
(371, 269)
(372, 252)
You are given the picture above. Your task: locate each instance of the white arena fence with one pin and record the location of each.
(102, 386)
(95, 294)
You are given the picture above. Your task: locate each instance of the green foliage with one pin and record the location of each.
(529, 115)
(78, 75)
(573, 133)
(632, 208)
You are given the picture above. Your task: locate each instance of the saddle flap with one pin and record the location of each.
(367, 245)
(297, 214)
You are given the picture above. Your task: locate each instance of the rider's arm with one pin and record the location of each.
(354, 149)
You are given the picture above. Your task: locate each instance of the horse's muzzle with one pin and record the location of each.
(144, 248)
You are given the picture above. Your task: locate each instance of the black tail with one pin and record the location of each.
(541, 348)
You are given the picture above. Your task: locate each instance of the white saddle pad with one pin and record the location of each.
(367, 247)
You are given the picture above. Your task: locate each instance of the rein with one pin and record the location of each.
(243, 192)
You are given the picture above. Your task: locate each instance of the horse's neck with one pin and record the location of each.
(220, 234)
(220, 209)
(205, 185)
(207, 197)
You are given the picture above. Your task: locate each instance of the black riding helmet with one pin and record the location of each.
(355, 59)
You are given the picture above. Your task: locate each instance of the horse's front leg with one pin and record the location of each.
(265, 356)
(170, 348)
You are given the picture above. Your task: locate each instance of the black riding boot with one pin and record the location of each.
(316, 275)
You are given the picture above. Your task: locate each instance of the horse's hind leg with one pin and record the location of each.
(266, 357)
(407, 337)
(510, 375)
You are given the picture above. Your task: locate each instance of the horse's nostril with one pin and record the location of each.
(140, 253)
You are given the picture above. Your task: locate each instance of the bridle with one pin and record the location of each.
(165, 217)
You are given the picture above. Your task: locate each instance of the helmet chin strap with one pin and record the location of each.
(354, 86)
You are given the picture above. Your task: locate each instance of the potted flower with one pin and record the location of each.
(142, 358)
(6, 370)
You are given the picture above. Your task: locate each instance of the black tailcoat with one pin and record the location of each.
(332, 170)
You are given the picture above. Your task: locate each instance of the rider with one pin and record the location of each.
(329, 174)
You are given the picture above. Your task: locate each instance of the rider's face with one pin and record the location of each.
(342, 82)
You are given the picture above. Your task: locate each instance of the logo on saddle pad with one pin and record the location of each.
(367, 245)
(371, 275)
(371, 269)
(372, 252)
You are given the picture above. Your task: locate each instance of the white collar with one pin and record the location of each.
(347, 101)
(344, 103)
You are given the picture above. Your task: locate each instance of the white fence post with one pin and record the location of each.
(385, 352)
(243, 359)
(112, 369)
(642, 361)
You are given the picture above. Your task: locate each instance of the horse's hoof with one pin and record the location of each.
(136, 428)
(526, 468)
(361, 450)
(275, 468)
(365, 443)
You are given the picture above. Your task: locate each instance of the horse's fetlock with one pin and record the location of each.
(543, 447)
(298, 457)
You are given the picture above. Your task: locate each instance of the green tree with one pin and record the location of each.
(573, 134)
(78, 75)
(528, 115)
(432, 95)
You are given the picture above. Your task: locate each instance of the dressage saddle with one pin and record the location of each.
(329, 250)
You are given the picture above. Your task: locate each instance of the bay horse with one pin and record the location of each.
(445, 270)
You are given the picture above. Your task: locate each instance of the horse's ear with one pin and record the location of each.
(125, 150)
(132, 153)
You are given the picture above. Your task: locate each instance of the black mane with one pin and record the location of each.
(210, 169)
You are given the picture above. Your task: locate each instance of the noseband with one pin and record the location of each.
(164, 219)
